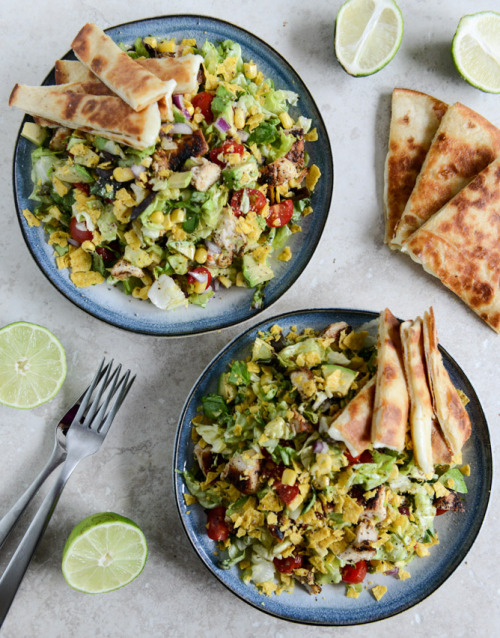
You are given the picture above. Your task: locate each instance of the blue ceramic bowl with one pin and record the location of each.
(228, 307)
(457, 532)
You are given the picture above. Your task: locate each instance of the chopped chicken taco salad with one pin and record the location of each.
(296, 485)
(223, 186)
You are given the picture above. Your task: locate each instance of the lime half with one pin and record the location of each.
(368, 34)
(476, 50)
(103, 553)
(32, 365)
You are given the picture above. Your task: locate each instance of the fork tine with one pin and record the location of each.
(108, 379)
(97, 418)
(125, 387)
(88, 393)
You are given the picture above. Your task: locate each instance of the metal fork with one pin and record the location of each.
(84, 438)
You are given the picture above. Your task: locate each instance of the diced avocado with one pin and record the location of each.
(338, 379)
(183, 247)
(73, 174)
(225, 389)
(179, 180)
(262, 351)
(34, 133)
(254, 272)
(179, 263)
(243, 175)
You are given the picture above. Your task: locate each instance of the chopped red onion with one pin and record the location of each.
(178, 100)
(212, 247)
(221, 125)
(181, 128)
(137, 170)
(202, 277)
(320, 447)
(215, 284)
(73, 242)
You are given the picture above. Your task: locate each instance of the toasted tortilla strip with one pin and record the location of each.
(184, 70)
(353, 424)
(135, 85)
(390, 414)
(450, 411)
(415, 118)
(441, 453)
(464, 144)
(461, 245)
(421, 412)
(99, 114)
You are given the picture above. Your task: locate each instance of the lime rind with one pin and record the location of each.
(469, 43)
(103, 553)
(360, 41)
(24, 343)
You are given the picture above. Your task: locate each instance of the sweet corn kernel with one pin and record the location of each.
(250, 70)
(285, 120)
(178, 215)
(288, 477)
(312, 136)
(225, 281)
(88, 246)
(167, 46)
(201, 254)
(240, 280)
(157, 217)
(167, 222)
(123, 174)
(152, 42)
(259, 78)
(239, 118)
(199, 287)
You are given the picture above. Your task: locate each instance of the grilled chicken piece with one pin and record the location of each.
(451, 502)
(375, 509)
(205, 174)
(219, 260)
(226, 235)
(243, 472)
(59, 139)
(334, 330)
(355, 554)
(124, 269)
(188, 146)
(205, 457)
(300, 424)
(279, 172)
(366, 533)
(306, 577)
(296, 153)
(303, 380)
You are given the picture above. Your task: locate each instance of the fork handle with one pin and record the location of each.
(15, 570)
(8, 522)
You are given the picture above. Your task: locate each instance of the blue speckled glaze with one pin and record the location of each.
(457, 532)
(227, 307)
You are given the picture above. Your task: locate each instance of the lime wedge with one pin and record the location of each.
(368, 34)
(32, 365)
(476, 50)
(103, 552)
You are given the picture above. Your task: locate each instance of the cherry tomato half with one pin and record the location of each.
(280, 214)
(440, 511)
(217, 528)
(286, 492)
(79, 231)
(200, 270)
(218, 153)
(257, 200)
(203, 101)
(288, 564)
(364, 457)
(354, 573)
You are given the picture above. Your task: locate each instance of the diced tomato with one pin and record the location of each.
(354, 573)
(280, 214)
(201, 270)
(79, 231)
(288, 564)
(85, 188)
(286, 492)
(440, 511)
(217, 528)
(105, 253)
(364, 457)
(203, 101)
(257, 200)
(218, 153)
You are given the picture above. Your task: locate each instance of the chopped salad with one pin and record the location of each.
(225, 186)
(285, 501)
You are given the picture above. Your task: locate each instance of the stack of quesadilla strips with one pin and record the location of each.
(442, 196)
(107, 93)
(411, 396)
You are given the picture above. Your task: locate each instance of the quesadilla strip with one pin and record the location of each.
(184, 70)
(421, 412)
(99, 114)
(441, 453)
(390, 414)
(135, 85)
(353, 424)
(464, 144)
(450, 411)
(415, 118)
(461, 245)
